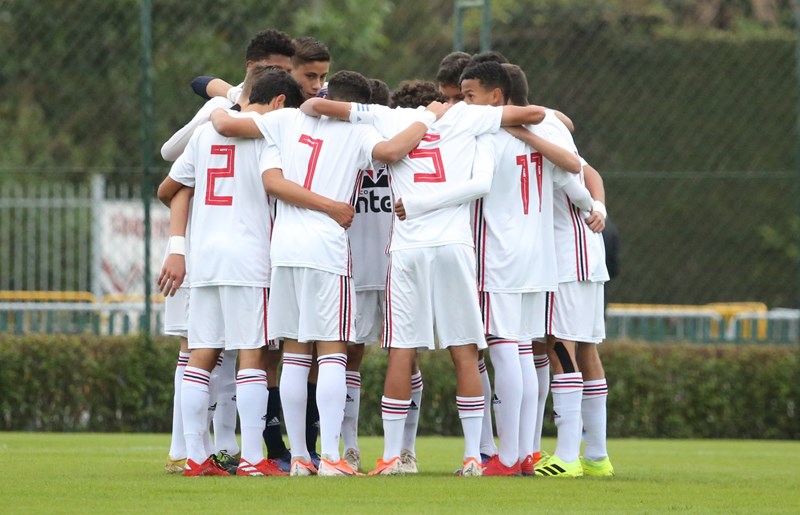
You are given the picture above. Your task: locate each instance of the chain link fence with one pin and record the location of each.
(688, 110)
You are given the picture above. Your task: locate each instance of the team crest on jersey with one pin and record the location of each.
(375, 178)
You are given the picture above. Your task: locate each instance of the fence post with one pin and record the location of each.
(147, 154)
(98, 197)
(486, 23)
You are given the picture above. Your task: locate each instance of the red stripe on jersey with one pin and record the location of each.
(266, 333)
(387, 317)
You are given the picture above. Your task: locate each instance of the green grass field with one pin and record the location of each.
(111, 473)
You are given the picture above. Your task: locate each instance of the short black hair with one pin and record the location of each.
(277, 82)
(415, 93)
(253, 75)
(269, 42)
(308, 49)
(380, 92)
(451, 67)
(491, 75)
(488, 56)
(519, 84)
(349, 86)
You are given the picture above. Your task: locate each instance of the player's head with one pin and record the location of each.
(449, 73)
(415, 93)
(270, 47)
(254, 73)
(277, 88)
(310, 64)
(488, 56)
(380, 92)
(485, 84)
(347, 86)
(518, 95)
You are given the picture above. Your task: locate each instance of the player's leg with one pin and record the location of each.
(175, 320)
(541, 363)
(528, 407)
(395, 404)
(408, 454)
(273, 437)
(352, 453)
(488, 447)
(225, 445)
(206, 341)
(507, 401)
(312, 411)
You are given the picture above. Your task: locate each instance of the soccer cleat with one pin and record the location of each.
(283, 462)
(538, 456)
(485, 458)
(556, 467)
(301, 467)
(353, 458)
(262, 468)
(597, 468)
(337, 468)
(408, 462)
(495, 467)
(526, 467)
(227, 462)
(174, 466)
(387, 468)
(471, 468)
(207, 468)
(315, 459)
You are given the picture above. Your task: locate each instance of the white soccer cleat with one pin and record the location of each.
(408, 462)
(353, 458)
(300, 468)
(472, 468)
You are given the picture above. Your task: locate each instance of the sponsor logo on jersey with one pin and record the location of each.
(374, 194)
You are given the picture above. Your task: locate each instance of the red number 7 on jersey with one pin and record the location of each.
(435, 155)
(212, 199)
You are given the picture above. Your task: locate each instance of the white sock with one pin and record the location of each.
(251, 391)
(294, 393)
(412, 420)
(225, 413)
(567, 393)
(593, 410)
(393, 413)
(331, 397)
(488, 446)
(177, 445)
(351, 408)
(470, 411)
(194, 410)
(530, 400)
(542, 364)
(507, 395)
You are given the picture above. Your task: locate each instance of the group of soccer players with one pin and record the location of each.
(323, 220)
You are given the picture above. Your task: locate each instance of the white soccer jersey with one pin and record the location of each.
(230, 230)
(444, 155)
(370, 230)
(581, 253)
(325, 156)
(176, 144)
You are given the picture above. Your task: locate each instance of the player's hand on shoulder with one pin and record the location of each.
(438, 108)
(172, 274)
(342, 213)
(400, 209)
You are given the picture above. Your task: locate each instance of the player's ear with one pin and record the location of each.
(278, 102)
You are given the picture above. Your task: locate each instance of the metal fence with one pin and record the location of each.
(688, 109)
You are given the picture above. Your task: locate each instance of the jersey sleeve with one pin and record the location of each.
(270, 158)
(577, 192)
(176, 144)
(369, 139)
(482, 119)
(477, 186)
(273, 124)
(183, 169)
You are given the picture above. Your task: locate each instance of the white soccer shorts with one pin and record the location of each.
(228, 317)
(575, 312)
(369, 316)
(176, 313)
(513, 316)
(310, 305)
(432, 289)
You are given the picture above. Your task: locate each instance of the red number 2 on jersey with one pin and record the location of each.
(536, 159)
(212, 199)
(316, 146)
(431, 153)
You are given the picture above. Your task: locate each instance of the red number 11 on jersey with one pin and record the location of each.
(212, 199)
(536, 159)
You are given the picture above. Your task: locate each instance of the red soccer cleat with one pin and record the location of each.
(262, 468)
(207, 468)
(495, 467)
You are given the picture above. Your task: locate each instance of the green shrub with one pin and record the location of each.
(87, 383)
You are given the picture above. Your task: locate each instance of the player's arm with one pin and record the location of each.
(452, 195)
(173, 271)
(167, 190)
(234, 127)
(332, 108)
(404, 142)
(276, 185)
(556, 154)
(566, 120)
(176, 144)
(522, 115)
(208, 87)
(594, 183)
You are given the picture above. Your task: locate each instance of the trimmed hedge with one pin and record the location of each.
(87, 383)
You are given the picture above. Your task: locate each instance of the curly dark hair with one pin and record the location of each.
(491, 75)
(415, 93)
(451, 67)
(488, 56)
(269, 42)
(348, 86)
(380, 92)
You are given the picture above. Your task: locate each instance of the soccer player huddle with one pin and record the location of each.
(310, 218)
